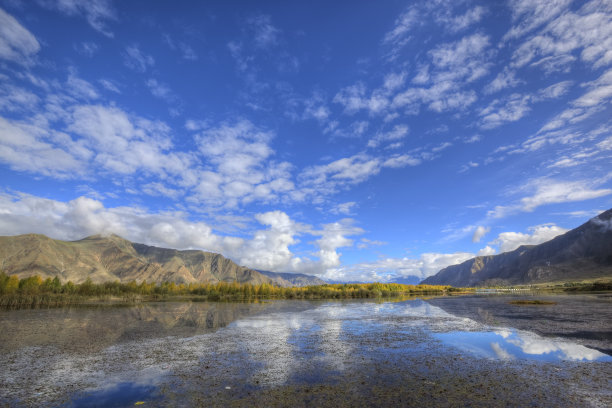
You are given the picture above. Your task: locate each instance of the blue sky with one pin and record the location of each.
(352, 140)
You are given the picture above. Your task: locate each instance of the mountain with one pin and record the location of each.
(293, 279)
(110, 258)
(582, 253)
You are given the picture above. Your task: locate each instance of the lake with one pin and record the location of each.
(444, 351)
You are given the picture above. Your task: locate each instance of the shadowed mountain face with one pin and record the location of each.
(582, 253)
(113, 258)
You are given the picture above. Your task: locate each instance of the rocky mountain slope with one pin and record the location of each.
(582, 253)
(110, 258)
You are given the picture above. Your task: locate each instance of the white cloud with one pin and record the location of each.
(468, 166)
(588, 30)
(334, 236)
(555, 63)
(546, 191)
(403, 160)
(354, 98)
(531, 14)
(81, 89)
(187, 52)
(125, 143)
(509, 241)
(97, 12)
(473, 139)
(487, 251)
(315, 107)
(480, 232)
(341, 173)
(599, 92)
(505, 79)
(235, 49)
(161, 90)
(453, 66)
(441, 146)
(33, 149)
(582, 213)
(399, 35)
(265, 35)
(241, 167)
(367, 243)
(14, 99)
(109, 85)
(344, 208)
(394, 80)
(267, 248)
(398, 132)
(515, 106)
(456, 23)
(17, 44)
(510, 110)
(387, 269)
(461, 54)
(159, 189)
(555, 91)
(87, 48)
(137, 60)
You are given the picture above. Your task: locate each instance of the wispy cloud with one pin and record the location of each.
(531, 14)
(109, 85)
(588, 30)
(161, 90)
(98, 13)
(545, 191)
(397, 133)
(265, 35)
(399, 35)
(137, 60)
(458, 22)
(17, 44)
(187, 52)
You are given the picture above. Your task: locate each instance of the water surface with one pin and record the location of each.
(290, 353)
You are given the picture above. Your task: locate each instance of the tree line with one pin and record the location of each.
(11, 287)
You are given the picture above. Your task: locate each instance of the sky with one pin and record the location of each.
(354, 140)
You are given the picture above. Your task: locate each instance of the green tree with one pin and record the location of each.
(31, 285)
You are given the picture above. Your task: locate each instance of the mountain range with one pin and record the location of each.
(111, 258)
(580, 254)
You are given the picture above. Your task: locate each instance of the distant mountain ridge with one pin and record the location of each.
(582, 253)
(110, 258)
(293, 279)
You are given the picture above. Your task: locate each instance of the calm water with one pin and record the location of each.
(442, 351)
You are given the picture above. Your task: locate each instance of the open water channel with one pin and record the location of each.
(444, 351)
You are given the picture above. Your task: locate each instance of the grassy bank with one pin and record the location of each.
(36, 292)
